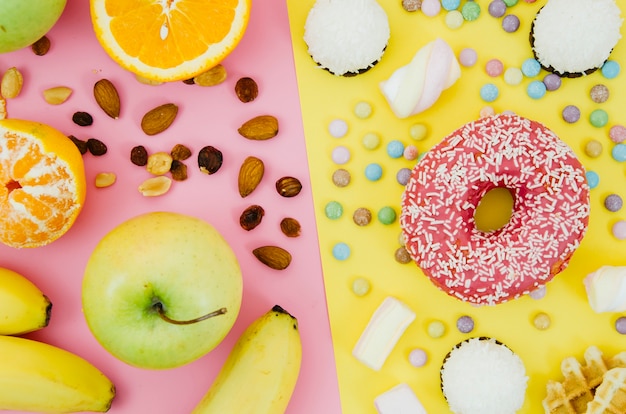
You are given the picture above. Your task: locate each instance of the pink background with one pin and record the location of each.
(207, 116)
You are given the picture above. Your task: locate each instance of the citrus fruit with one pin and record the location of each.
(42, 183)
(168, 40)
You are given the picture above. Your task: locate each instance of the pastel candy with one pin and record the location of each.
(606, 289)
(415, 87)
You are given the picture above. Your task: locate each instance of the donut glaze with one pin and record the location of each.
(549, 219)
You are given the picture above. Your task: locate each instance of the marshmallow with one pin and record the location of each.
(415, 87)
(606, 289)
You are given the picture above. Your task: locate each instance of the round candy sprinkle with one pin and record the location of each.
(531, 68)
(613, 203)
(341, 177)
(610, 69)
(418, 131)
(510, 23)
(371, 141)
(571, 114)
(362, 216)
(593, 148)
(403, 175)
(617, 133)
(395, 149)
(450, 4)
(410, 152)
(402, 255)
(470, 11)
(619, 152)
(411, 5)
(513, 76)
(620, 325)
(510, 3)
(497, 8)
(454, 19)
(599, 118)
(494, 67)
(436, 329)
(387, 215)
(489, 92)
(468, 57)
(373, 171)
(341, 251)
(418, 357)
(360, 286)
(593, 179)
(536, 89)
(599, 93)
(338, 128)
(362, 110)
(465, 324)
(486, 111)
(552, 81)
(333, 210)
(619, 230)
(431, 8)
(542, 321)
(340, 155)
(538, 293)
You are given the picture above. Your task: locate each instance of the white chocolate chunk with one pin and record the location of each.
(383, 331)
(606, 289)
(399, 400)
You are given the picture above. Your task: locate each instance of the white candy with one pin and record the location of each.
(606, 289)
(399, 400)
(383, 331)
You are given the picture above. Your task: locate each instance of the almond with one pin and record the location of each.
(107, 97)
(259, 128)
(159, 119)
(273, 256)
(57, 95)
(250, 175)
(212, 77)
(11, 84)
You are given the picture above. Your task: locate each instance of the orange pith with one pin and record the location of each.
(169, 40)
(42, 183)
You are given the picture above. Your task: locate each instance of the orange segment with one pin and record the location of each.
(42, 183)
(168, 40)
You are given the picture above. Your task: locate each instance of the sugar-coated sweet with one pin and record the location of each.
(340, 155)
(363, 110)
(593, 179)
(470, 10)
(387, 215)
(552, 81)
(620, 325)
(593, 148)
(575, 37)
(454, 19)
(373, 171)
(483, 376)
(338, 128)
(334, 35)
(402, 176)
(619, 230)
(450, 4)
(497, 8)
(610, 69)
(489, 92)
(510, 23)
(341, 177)
(418, 357)
(598, 118)
(532, 248)
(431, 8)
(494, 67)
(361, 286)
(465, 324)
(395, 148)
(333, 210)
(536, 89)
(613, 202)
(341, 251)
(599, 93)
(436, 329)
(531, 68)
(410, 152)
(513, 76)
(542, 321)
(617, 133)
(618, 152)
(571, 114)
(370, 141)
(538, 293)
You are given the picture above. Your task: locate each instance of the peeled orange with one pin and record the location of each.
(168, 40)
(42, 183)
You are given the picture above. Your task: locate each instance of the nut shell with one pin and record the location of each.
(210, 159)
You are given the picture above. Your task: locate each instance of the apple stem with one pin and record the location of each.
(158, 306)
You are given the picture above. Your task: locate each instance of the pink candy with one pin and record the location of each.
(617, 133)
(494, 68)
(431, 8)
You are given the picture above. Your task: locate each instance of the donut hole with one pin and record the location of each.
(494, 210)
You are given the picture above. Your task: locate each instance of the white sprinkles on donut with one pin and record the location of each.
(549, 219)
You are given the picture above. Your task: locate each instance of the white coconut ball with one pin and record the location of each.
(346, 37)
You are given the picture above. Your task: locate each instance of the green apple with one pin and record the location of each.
(161, 290)
(23, 22)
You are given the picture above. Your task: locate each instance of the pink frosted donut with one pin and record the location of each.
(549, 219)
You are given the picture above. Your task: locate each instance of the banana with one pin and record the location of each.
(23, 307)
(35, 376)
(261, 371)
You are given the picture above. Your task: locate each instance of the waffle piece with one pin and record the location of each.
(610, 396)
(580, 382)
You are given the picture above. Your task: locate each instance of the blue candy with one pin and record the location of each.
(536, 89)
(373, 172)
(619, 152)
(450, 4)
(395, 149)
(531, 68)
(610, 69)
(341, 251)
(593, 179)
(489, 92)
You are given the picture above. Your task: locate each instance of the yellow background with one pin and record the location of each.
(325, 97)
